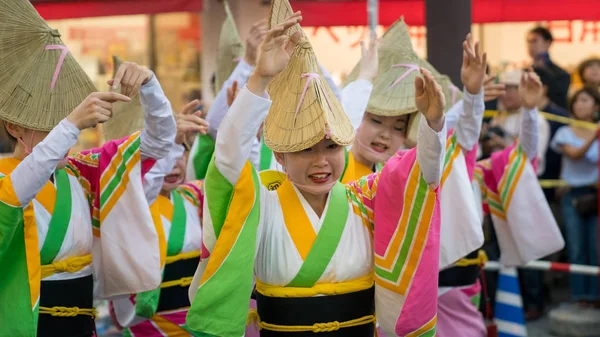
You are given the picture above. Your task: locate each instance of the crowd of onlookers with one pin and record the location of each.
(567, 159)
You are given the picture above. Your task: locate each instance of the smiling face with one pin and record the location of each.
(584, 106)
(379, 137)
(319, 165)
(176, 177)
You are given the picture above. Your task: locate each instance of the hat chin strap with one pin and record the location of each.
(378, 156)
(27, 148)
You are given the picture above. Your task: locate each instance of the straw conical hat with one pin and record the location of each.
(231, 49)
(305, 109)
(40, 81)
(396, 37)
(281, 10)
(127, 118)
(394, 86)
(295, 122)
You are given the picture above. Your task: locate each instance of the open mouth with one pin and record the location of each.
(319, 178)
(173, 178)
(379, 147)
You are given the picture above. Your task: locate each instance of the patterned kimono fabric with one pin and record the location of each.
(161, 312)
(48, 246)
(458, 303)
(317, 260)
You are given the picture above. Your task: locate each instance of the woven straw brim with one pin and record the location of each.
(389, 97)
(27, 70)
(127, 118)
(319, 115)
(230, 49)
(279, 11)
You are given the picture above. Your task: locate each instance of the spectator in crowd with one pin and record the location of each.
(539, 40)
(553, 158)
(579, 148)
(509, 116)
(589, 72)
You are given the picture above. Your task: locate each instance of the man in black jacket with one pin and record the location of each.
(539, 40)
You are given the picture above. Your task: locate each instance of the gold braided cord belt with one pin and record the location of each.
(326, 289)
(254, 318)
(480, 260)
(182, 282)
(182, 256)
(68, 311)
(69, 265)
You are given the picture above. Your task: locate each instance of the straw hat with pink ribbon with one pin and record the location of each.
(393, 92)
(230, 51)
(127, 117)
(305, 109)
(40, 81)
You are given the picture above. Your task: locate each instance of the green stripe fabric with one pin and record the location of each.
(61, 216)
(205, 149)
(511, 175)
(345, 164)
(266, 156)
(146, 303)
(178, 224)
(221, 305)
(219, 192)
(413, 223)
(450, 149)
(16, 314)
(327, 240)
(429, 333)
(116, 179)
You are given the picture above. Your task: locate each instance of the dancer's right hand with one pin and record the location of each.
(275, 54)
(96, 108)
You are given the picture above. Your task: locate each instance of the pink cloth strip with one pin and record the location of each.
(458, 316)
(61, 59)
(411, 68)
(26, 147)
(309, 77)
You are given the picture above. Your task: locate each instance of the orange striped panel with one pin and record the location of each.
(296, 221)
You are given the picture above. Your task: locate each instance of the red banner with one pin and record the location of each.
(340, 12)
(72, 9)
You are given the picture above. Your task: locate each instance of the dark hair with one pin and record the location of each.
(543, 32)
(213, 83)
(7, 139)
(592, 91)
(585, 64)
(194, 94)
(498, 131)
(546, 76)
